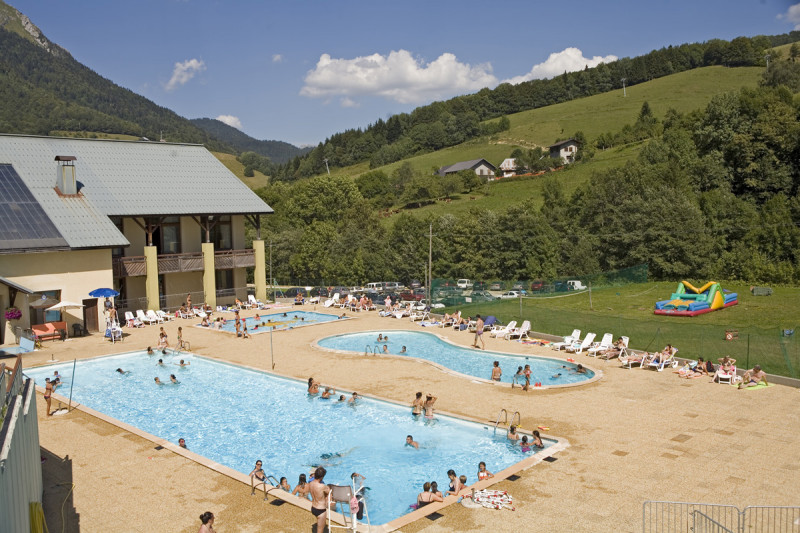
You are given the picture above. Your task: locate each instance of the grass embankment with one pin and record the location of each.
(256, 182)
(758, 321)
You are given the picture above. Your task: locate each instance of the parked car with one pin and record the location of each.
(496, 286)
(464, 284)
(518, 286)
(291, 293)
(482, 296)
(392, 286)
(575, 285)
(509, 295)
(415, 284)
(479, 286)
(408, 296)
(537, 285)
(319, 291)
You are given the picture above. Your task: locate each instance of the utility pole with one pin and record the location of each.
(271, 285)
(326, 166)
(430, 262)
(624, 92)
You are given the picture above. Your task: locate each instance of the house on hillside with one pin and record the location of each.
(155, 221)
(566, 150)
(509, 167)
(481, 167)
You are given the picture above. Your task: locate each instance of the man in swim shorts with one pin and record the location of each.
(319, 497)
(479, 334)
(753, 378)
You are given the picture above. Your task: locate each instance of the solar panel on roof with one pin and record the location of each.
(24, 223)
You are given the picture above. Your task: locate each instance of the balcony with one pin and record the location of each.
(123, 267)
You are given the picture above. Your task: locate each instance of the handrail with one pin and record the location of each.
(505, 421)
(368, 348)
(519, 418)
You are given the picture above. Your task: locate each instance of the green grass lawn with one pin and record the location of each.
(257, 181)
(758, 320)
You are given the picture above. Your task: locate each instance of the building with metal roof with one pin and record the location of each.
(566, 150)
(156, 221)
(481, 167)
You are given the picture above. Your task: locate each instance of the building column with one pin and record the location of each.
(151, 281)
(260, 274)
(209, 279)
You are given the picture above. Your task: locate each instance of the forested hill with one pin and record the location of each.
(277, 151)
(44, 89)
(452, 122)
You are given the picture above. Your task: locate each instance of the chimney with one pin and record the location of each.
(65, 175)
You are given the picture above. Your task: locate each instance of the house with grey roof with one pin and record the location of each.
(566, 150)
(155, 221)
(481, 167)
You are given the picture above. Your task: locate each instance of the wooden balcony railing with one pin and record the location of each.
(124, 267)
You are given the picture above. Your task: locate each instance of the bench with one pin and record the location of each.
(50, 330)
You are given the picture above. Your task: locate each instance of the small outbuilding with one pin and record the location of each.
(566, 150)
(481, 167)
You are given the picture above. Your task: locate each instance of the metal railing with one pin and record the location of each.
(683, 517)
(136, 265)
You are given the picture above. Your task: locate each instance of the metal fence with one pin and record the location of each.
(172, 302)
(685, 517)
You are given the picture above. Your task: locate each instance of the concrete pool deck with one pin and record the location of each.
(635, 435)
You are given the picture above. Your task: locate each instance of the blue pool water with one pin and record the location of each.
(285, 320)
(234, 416)
(469, 361)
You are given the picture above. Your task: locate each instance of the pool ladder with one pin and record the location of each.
(370, 350)
(516, 416)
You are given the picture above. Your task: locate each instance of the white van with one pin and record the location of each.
(575, 285)
(392, 285)
(464, 284)
(376, 286)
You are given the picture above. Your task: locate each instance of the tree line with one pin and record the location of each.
(713, 194)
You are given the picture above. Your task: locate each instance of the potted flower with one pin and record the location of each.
(13, 313)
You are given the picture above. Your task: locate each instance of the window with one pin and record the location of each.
(224, 282)
(41, 315)
(171, 236)
(220, 233)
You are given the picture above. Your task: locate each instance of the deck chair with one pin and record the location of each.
(520, 332)
(144, 318)
(132, 321)
(568, 340)
(450, 321)
(577, 347)
(622, 352)
(663, 361)
(605, 343)
(345, 500)
(727, 377)
(258, 304)
(416, 315)
(164, 316)
(200, 314)
(500, 331)
(628, 358)
(154, 317)
(331, 301)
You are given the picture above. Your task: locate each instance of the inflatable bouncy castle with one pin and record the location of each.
(689, 300)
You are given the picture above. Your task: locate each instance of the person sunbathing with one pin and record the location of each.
(702, 368)
(727, 366)
(614, 351)
(633, 357)
(753, 378)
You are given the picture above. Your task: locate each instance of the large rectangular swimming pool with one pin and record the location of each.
(234, 416)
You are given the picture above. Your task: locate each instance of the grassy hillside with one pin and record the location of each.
(257, 181)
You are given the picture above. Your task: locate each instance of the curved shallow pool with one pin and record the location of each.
(465, 360)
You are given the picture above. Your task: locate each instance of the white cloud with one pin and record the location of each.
(183, 72)
(230, 120)
(569, 59)
(398, 76)
(277, 58)
(792, 15)
(348, 102)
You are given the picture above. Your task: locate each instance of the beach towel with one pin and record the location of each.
(761, 385)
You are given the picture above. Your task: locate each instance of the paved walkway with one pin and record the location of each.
(636, 435)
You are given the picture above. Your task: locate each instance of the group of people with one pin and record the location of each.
(525, 444)
(418, 406)
(430, 489)
(329, 392)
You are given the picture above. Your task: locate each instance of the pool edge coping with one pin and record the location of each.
(560, 444)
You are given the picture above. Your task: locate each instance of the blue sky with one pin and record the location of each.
(301, 71)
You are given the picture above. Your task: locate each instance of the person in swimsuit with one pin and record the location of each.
(496, 371)
(702, 368)
(354, 398)
(123, 371)
(283, 484)
(727, 365)
(319, 497)
(257, 476)
(479, 334)
(326, 394)
(302, 487)
(189, 301)
(411, 442)
(48, 392)
(173, 379)
(537, 439)
(150, 350)
(524, 445)
(512, 433)
(426, 496)
(482, 472)
(385, 348)
(182, 442)
(417, 404)
(518, 377)
(428, 406)
(527, 374)
(380, 337)
(158, 381)
(753, 378)
(341, 398)
(182, 344)
(313, 386)
(455, 483)
(183, 364)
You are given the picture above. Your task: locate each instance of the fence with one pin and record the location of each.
(683, 517)
(171, 302)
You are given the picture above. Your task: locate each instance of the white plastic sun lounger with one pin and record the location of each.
(568, 340)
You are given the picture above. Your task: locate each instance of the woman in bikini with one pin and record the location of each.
(257, 476)
(428, 406)
(313, 386)
(417, 405)
(426, 496)
(455, 483)
(302, 487)
(48, 392)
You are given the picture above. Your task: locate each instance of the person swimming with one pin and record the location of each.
(123, 371)
(173, 379)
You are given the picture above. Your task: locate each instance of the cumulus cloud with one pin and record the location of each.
(348, 102)
(792, 15)
(277, 58)
(230, 120)
(398, 76)
(569, 59)
(183, 72)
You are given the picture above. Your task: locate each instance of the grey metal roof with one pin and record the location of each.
(463, 165)
(125, 178)
(24, 225)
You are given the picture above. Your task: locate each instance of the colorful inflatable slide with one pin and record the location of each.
(688, 300)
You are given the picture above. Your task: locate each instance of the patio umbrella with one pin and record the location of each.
(103, 293)
(60, 306)
(43, 303)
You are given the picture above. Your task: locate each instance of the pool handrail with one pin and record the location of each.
(505, 421)
(368, 348)
(518, 417)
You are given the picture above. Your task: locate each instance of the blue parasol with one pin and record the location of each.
(103, 293)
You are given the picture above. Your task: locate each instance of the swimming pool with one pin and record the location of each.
(233, 416)
(469, 361)
(286, 320)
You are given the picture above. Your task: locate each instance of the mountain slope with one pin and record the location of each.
(277, 151)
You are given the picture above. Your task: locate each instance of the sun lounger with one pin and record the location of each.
(144, 318)
(568, 340)
(154, 317)
(164, 316)
(660, 361)
(520, 332)
(330, 302)
(500, 331)
(605, 343)
(132, 321)
(578, 347)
